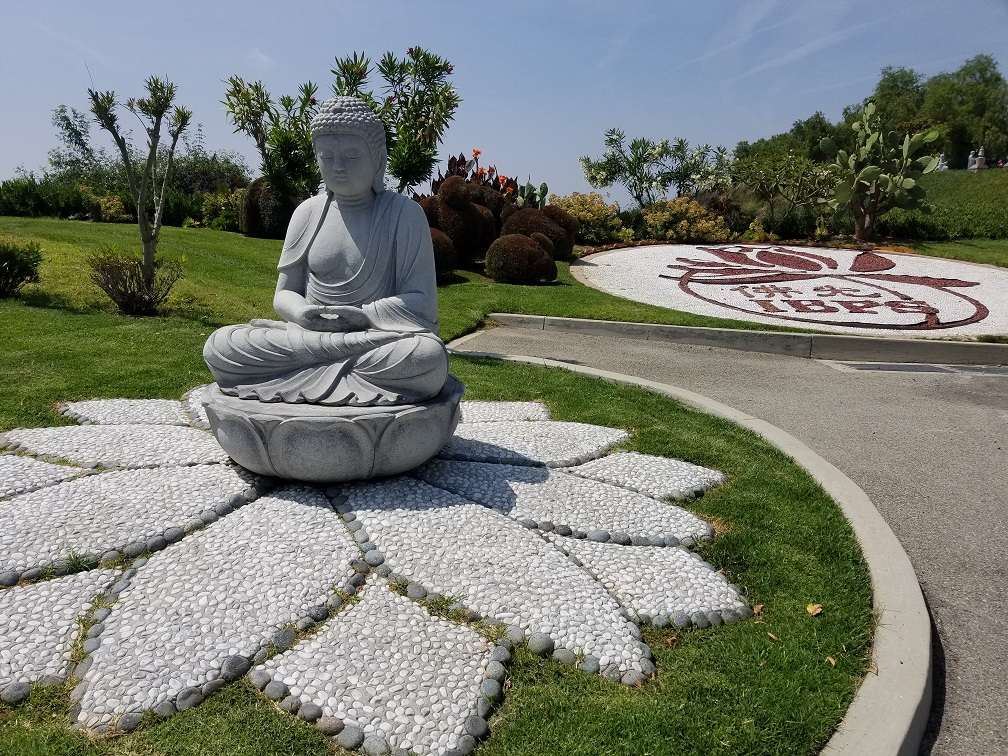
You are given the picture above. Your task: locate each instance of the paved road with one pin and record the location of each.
(930, 449)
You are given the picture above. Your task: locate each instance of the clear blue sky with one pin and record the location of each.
(540, 81)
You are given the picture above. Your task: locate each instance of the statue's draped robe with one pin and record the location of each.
(398, 360)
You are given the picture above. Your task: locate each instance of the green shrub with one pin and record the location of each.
(20, 196)
(19, 264)
(598, 221)
(120, 275)
(221, 210)
(963, 205)
(683, 220)
(756, 233)
(516, 258)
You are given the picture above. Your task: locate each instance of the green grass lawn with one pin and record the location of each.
(987, 251)
(230, 278)
(762, 686)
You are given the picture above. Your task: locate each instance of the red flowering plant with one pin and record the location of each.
(474, 173)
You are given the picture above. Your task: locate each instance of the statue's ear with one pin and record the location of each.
(379, 179)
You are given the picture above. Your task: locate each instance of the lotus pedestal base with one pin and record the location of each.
(332, 444)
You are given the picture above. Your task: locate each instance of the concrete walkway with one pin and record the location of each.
(930, 449)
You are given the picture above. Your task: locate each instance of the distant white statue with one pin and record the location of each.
(981, 161)
(971, 161)
(942, 163)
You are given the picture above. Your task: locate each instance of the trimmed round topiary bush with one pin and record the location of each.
(19, 264)
(566, 221)
(445, 257)
(530, 220)
(249, 219)
(516, 258)
(543, 241)
(468, 225)
(429, 203)
(275, 210)
(265, 213)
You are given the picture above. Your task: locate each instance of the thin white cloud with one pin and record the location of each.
(260, 59)
(811, 47)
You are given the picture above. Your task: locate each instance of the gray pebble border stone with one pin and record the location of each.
(118, 446)
(659, 477)
(662, 587)
(38, 624)
(537, 587)
(92, 517)
(500, 432)
(571, 505)
(307, 537)
(323, 669)
(19, 475)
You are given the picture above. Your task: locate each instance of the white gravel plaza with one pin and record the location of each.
(838, 290)
(383, 612)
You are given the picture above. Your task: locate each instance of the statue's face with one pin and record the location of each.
(345, 163)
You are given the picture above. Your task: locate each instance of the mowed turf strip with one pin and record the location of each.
(774, 684)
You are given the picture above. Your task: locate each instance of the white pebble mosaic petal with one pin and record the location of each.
(126, 412)
(192, 402)
(660, 477)
(656, 581)
(531, 442)
(110, 510)
(474, 411)
(38, 624)
(22, 474)
(553, 496)
(120, 445)
(220, 592)
(389, 667)
(494, 566)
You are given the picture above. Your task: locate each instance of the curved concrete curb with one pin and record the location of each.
(817, 346)
(890, 710)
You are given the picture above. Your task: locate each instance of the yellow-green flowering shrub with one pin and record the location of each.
(684, 220)
(598, 222)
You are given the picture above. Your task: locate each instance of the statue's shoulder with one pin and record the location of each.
(299, 229)
(402, 207)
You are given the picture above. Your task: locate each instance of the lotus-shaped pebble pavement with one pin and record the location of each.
(384, 612)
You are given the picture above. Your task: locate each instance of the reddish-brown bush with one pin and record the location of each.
(516, 258)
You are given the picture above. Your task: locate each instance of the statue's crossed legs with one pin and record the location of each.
(273, 361)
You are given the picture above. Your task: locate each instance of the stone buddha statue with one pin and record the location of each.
(353, 382)
(356, 288)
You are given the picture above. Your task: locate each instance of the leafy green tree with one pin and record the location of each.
(898, 98)
(648, 169)
(281, 131)
(881, 173)
(416, 104)
(786, 183)
(147, 179)
(970, 106)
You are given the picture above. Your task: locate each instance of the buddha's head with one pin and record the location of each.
(349, 142)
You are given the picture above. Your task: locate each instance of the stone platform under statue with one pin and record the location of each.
(353, 382)
(317, 443)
